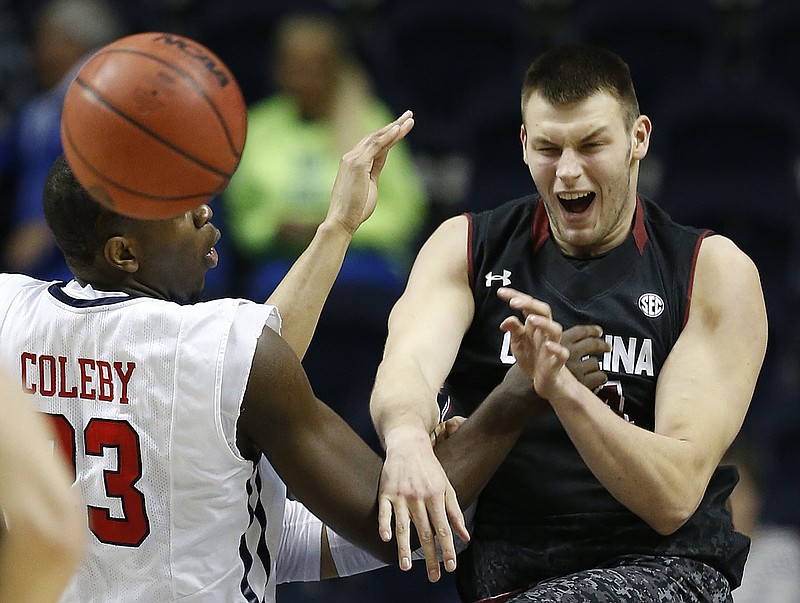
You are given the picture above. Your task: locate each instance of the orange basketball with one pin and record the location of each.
(153, 125)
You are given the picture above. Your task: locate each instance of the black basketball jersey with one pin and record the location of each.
(544, 498)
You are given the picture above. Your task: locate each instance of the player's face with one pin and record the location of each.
(584, 162)
(174, 255)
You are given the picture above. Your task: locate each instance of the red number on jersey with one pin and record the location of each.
(101, 434)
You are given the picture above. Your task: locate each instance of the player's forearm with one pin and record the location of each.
(342, 490)
(655, 476)
(402, 408)
(301, 294)
(46, 529)
(35, 563)
(473, 453)
(406, 420)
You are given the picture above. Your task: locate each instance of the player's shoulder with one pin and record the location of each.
(20, 280)
(216, 309)
(13, 283)
(723, 253)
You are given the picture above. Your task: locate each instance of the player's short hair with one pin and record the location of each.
(80, 226)
(574, 72)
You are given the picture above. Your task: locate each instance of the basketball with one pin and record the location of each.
(153, 125)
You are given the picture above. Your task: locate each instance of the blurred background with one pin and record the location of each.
(719, 78)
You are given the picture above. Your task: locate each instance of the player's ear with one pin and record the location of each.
(523, 139)
(641, 137)
(117, 252)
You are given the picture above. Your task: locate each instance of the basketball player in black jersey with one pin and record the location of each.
(613, 494)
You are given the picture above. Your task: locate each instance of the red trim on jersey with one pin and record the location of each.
(541, 226)
(639, 231)
(501, 598)
(691, 274)
(470, 267)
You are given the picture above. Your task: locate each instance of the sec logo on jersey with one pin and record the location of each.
(651, 305)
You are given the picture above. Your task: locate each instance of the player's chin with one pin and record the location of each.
(196, 294)
(194, 288)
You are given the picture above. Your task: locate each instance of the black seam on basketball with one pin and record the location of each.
(234, 151)
(138, 193)
(102, 100)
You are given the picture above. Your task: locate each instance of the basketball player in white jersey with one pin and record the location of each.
(179, 417)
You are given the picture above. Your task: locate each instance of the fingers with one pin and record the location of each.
(524, 302)
(545, 328)
(594, 379)
(444, 430)
(457, 521)
(585, 340)
(381, 145)
(382, 139)
(427, 540)
(582, 333)
(452, 425)
(537, 331)
(385, 518)
(513, 325)
(586, 346)
(414, 490)
(542, 347)
(371, 151)
(444, 534)
(432, 524)
(402, 530)
(586, 369)
(432, 521)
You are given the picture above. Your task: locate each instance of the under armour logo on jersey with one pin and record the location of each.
(651, 305)
(505, 278)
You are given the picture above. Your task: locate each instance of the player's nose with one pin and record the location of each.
(202, 214)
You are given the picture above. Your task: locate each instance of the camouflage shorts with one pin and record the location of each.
(635, 579)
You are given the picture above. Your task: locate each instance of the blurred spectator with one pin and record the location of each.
(64, 33)
(322, 105)
(295, 139)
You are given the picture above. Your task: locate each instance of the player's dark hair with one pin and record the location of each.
(80, 226)
(572, 73)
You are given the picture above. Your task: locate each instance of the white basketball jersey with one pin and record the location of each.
(135, 389)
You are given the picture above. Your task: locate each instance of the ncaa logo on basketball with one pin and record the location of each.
(651, 305)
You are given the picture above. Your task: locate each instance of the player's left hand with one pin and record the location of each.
(536, 343)
(355, 190)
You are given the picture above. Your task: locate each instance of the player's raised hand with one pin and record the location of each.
(355, 190)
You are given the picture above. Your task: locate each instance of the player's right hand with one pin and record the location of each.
(414, 489)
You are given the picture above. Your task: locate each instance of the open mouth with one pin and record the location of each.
(212, 258)
(576, 203)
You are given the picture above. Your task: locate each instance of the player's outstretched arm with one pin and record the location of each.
(424, 332)
(328, 466)
(301, 294)
(336, 475)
